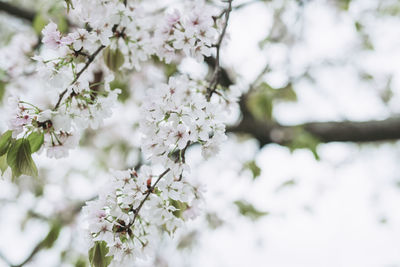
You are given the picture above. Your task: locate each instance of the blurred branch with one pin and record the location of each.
(341, 131)
(65, 217)
(17, 11)
(344, 131)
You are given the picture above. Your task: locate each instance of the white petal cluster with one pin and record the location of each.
(62, 127)
(132, 210)
(178, 114)
(193, 33)
(134, 207)
(137, 35)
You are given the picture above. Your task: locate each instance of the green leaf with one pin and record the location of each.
(36, 140)
(260, 105)
(253, 167)
(170, 69)
(39, 22)
(80, 262)
(303, 139)
(123, 86)
(5, 141)
(248, 210)
(97, 255)
(3, 163)
(52, 236)
(344, 4)
(288, 183)
(261, 101)
(20, 160)
(2, 89)
(62, 24)
(286, 94)
(113, 58)
(180, 206)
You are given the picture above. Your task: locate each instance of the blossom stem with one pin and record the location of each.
(214, 80)
(149, 191)
(90, 60)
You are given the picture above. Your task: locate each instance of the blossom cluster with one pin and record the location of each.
(117, 37)
(62, 127)
(132, 209)
(125, 36)
(178, 114)
(194, 34)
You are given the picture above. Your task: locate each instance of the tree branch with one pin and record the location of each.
(149, 191)
(215, 77)
(89, 61)
(345, 131)
(17, 11)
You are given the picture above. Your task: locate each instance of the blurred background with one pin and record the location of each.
(309, 175)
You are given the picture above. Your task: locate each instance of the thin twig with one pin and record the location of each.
(149, 191)
(90, 60)
(214, 80)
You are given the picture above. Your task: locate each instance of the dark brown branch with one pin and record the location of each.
(345, 131)
(17, 11)
(23, 13)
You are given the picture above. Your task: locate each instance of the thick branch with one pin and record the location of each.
(17, 11)
(345, 131)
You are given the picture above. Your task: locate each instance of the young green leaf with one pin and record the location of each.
(2, 89)
(39, 22)
(36, 141)
(303, 139)
(3, 163)
(180, 207)
(253, 167)
(113, 58)
(20, 160)
(52, 236)
(260, 104)
(248, 210)
(97, 255)
(5, 141)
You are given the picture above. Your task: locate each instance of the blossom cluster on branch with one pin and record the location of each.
(118, 37)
